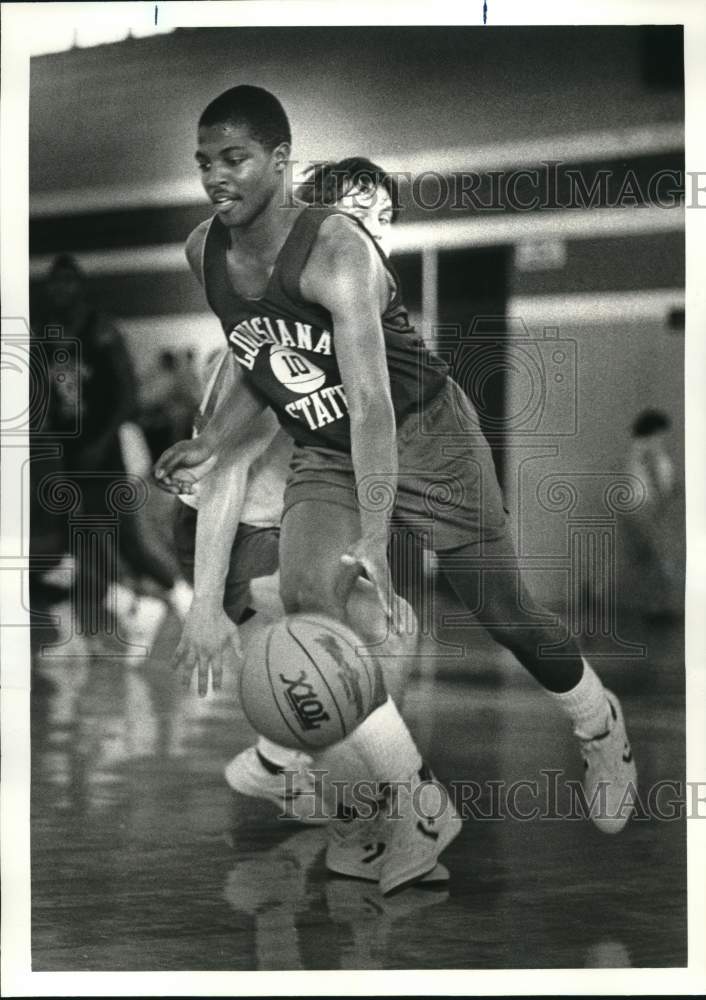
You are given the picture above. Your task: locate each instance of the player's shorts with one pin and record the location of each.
(255, 553)
(447, 487)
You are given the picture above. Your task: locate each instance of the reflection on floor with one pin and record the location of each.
(143, 859)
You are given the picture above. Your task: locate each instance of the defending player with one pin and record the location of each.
(285, 280)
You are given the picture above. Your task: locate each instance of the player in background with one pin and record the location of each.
(98, 397)
(279, 276)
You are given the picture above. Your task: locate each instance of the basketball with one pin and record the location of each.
(303, 684)
(295, 371)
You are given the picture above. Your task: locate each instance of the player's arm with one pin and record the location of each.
(209, 640)
(344, 274)
(231, 423)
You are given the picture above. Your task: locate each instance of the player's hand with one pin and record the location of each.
(367, 556)
(209, 643)
(184, 464)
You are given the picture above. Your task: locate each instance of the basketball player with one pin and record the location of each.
(313, 315)
(254, 496)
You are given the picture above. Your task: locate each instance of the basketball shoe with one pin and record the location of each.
(295, 792)
(610, 779)
(421, 822)
(357, 848)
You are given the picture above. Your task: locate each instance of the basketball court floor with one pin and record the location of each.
(143, 859)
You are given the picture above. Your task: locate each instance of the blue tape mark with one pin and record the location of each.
(155, 13)
(485, 12)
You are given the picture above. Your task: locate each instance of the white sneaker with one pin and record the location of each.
(421, 822)
(358, 848)
(179, 598)
(295, 794)
(610, 781)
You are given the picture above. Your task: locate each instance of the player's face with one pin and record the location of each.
(239, 175)
(373, 207)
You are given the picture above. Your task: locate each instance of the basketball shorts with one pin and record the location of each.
(447, 488)
(255, 553)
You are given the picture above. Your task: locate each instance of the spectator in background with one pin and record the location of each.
(101, 391)
(650, 460)
(654, 552)
(94, 395)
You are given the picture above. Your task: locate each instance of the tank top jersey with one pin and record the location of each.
(286, 345)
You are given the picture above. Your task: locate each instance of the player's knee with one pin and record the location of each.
(309, 591)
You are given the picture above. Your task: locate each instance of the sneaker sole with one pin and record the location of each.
(417, 872)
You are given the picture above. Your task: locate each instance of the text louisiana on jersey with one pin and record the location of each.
(315, 394)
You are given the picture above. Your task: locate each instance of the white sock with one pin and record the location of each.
(280, 756)
(341, 770)
(586, 705)
(386, 745)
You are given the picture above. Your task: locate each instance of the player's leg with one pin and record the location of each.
(315, 533)
(95, 577)
(265, 770)
(144, 543)
(487, 578)
(254, 554)
(458, 489)
(493, 585)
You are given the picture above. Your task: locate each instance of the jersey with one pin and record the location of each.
(287, 346)
(264, 496)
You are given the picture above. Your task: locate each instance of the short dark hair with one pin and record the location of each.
(167, 360)
(66, 262)
(255, 107)
(650, 422)
(326, 183)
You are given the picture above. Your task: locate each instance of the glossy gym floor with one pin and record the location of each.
(143, 859)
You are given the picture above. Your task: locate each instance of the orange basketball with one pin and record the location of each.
(307, 681)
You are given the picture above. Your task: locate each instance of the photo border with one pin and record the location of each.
(18, 979)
